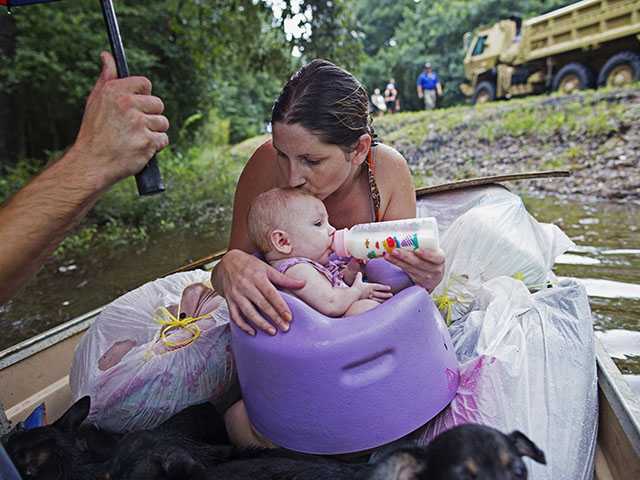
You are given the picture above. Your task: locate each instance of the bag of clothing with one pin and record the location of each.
(528, 364)
(487, 233)
(153, 352)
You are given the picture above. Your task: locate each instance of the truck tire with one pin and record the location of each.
(485, 92)
(573, 76)
(621, 69)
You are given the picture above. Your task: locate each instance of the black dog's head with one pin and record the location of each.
(467, 452)
(51, 452)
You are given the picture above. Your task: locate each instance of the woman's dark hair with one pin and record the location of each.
(326, 100)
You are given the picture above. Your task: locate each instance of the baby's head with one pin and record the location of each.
(286, 222)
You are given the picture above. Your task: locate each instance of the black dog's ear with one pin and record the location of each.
(526, 447)
(180, 465)
(72, 418)
(400, 465)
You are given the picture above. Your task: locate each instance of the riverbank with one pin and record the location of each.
(595, 134)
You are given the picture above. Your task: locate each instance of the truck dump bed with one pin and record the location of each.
(582, 25)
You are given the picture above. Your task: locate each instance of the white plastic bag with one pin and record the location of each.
(489, 233)
(528, 364)
(135, 378)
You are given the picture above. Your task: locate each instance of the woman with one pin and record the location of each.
(323, 143)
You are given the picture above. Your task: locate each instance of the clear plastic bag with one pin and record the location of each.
(489, 233)
(141, 363)
(528, 364)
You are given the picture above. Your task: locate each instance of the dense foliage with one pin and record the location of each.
(401, 35)
(218, 65)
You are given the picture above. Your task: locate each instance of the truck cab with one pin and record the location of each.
(489, 47)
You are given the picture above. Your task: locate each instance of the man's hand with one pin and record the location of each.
(122, 127)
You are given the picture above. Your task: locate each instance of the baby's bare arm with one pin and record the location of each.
(320, 294)
(329, 300)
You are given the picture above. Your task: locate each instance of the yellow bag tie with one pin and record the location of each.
(171, 322)
(445, 303)
(448, 299)
(537, 286)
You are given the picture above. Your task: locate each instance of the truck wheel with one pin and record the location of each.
(621, 69)
(485, 92)
(573, 76)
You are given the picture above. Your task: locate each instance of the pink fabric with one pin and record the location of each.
(332, 271)
(464, 408)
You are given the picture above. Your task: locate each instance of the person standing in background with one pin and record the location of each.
(428, 86)
(378, 103)
(391, 96)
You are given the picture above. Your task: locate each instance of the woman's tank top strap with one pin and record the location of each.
(373, 186)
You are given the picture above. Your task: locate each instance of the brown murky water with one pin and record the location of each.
(607, 260)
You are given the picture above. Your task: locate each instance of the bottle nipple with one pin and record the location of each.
(338, 245)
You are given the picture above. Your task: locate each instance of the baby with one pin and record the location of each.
(291, 229)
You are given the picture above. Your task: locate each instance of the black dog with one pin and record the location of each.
(465, 452)
(66, 449)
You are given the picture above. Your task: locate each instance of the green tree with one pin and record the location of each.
(432, 30)
(192, 51)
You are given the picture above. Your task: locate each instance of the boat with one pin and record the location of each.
(36, 371)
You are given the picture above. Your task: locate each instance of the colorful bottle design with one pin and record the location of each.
(371, 240)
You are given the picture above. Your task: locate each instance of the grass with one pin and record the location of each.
(539, 116)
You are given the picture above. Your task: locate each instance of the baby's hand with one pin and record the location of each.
(350, 270)
(372, 291)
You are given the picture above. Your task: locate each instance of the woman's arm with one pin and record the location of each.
(425, 267)
(246, 282)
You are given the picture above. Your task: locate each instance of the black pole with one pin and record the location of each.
(149, 180)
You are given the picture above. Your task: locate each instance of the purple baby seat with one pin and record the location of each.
(340, 385)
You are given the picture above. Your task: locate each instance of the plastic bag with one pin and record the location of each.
(489, 233)
(141, 363)
(528, 364)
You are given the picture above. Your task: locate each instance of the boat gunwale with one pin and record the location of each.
(619, 395)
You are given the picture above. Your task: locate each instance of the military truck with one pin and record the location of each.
(589, 43)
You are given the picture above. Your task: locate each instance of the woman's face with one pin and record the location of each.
(307, 163)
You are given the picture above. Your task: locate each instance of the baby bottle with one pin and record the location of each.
(371, 240)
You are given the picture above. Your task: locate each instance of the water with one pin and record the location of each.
(606, 259)
(64, 290)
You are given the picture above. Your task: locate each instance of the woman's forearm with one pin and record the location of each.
(216, 280)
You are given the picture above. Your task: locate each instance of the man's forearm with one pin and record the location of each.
(34, 221)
